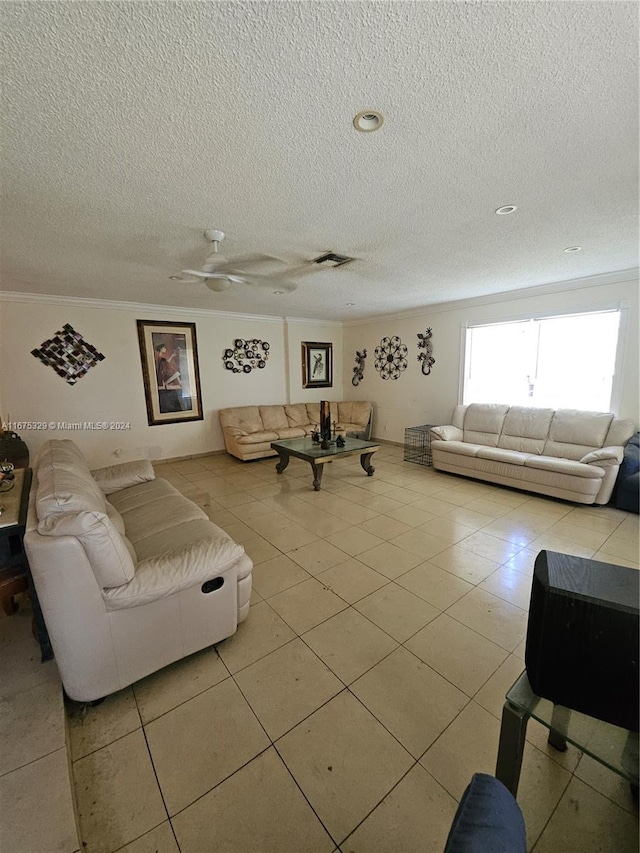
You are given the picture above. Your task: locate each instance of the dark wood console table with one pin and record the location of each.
(15, 575)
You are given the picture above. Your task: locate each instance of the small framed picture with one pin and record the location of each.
(169, 356)
(317, 365)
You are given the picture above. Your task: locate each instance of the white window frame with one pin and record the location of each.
(616, 386)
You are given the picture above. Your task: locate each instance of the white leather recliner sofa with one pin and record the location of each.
(563, 453)
(131, 575)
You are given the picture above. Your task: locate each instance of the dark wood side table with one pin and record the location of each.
(15, 574)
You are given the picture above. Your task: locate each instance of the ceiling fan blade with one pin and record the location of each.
(199, 273)
(271, 281)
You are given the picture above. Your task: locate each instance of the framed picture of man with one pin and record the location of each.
(169, 356)
(317, 366)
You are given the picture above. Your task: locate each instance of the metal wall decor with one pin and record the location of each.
(68, 354)
(426, 357)
(391, 358)
(246, 355)
(358, 370)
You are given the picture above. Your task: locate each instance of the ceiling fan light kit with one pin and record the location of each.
(219, 274)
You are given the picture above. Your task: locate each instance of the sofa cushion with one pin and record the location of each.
(354, 412)
(463, 448)
(525, 429)
(114, 478)
(258, 437)
(110, 558)
(620, 432)
(575, 433)
(297, 415)
(564, 466)
(176, 536)
(159, 510)
(246, 418)
(483, 423)
(65, 483)
(273, 417)
(500, 454)
(313, 412)
(291, 432)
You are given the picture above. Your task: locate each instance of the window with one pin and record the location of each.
(558, 362)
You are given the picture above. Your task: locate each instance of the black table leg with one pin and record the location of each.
(511, 747)
(283, 461)
(317, 475)
(365, 461)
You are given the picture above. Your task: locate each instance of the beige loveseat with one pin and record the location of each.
(130, 574)
(249, 430)
(564, 453)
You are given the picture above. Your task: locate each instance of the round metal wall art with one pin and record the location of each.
(391, 358)
(246, 355)
(358, 370)
(426, 357)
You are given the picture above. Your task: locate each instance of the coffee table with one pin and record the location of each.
(611, 745)
(311, 452)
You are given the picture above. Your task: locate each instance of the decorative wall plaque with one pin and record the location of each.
(246, 355)
(68, 354)
(358, 370)
(391, 358)
(426, 357)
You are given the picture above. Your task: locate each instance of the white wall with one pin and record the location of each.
(417, 399)
(314, 332)
(113, 390)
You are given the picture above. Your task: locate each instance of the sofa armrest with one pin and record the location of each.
(605, 457)
(447, 433)
(114, 478)
(234, 432)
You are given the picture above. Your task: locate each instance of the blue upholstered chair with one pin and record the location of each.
(488, 820)
(626, 494)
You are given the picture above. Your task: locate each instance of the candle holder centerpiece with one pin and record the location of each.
(325, 425)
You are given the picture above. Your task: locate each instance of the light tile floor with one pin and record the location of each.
(365, 688)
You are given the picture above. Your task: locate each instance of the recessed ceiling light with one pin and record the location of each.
(573, 249)
(508, 208)
(349, 304)
(368, 120)
(278, 292)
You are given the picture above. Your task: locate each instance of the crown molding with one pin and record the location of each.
(599, 280)
(136, 307)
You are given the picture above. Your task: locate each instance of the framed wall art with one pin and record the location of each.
(317, 365)
(169, 356)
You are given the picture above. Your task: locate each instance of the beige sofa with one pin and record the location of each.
(130, 574)
(564, 453)
(249, 430)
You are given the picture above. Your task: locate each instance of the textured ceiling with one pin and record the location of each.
(129, 128)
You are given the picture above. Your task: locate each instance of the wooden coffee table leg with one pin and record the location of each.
(365, 461)
(283, 461)
(317, 475)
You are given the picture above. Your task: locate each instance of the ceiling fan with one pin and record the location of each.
(219, 274)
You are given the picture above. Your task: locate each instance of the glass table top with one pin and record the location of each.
(312, 449)
(611, 745)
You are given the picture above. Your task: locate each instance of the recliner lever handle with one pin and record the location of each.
(212, 585)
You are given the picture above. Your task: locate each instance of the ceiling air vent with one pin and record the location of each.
(332, 259)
